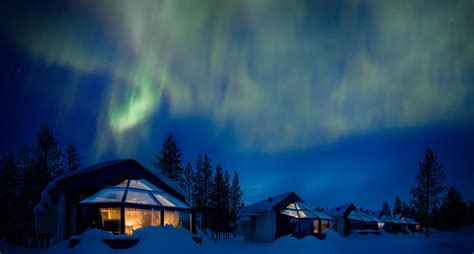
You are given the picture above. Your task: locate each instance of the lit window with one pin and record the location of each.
(316, 226)
(105, 195)
(138, 197)
(380, 224)
(110, 219)
(163, 200)
(171, 218)
(138, 218)
(144, 185)
(122, 184)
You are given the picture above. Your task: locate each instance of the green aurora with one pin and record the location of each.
(280, 67)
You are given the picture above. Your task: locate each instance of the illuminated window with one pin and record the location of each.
(105, 195)
(122, 184)
(138, 192)
(138, 218)
(171, 218)
(324, 225)
(316, 226)
(144, 185)
(139, 197)
(110, 219)
(298, 210)
(380, 224)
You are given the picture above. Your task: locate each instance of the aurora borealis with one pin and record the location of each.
(265, 81)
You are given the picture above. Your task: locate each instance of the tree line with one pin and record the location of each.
(213, 194)
(428, 205)
(24, 175)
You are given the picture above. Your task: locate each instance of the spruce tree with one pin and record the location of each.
(197, 192)
(453, 209)
(188, 178)
(202, 189)
(235, 198)
(218, 201)
(10, 196)
(386, 208)
(429, 185)
(397, 206)
(226, 193)
(73, 160)
(169, 161)
(206, 189)
(47, 156)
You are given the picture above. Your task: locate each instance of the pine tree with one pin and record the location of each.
(407, 210)
(397, 206)
(9, 196)
(169, 162)
(429, 185)
(46, 155)
(73, 160)
(218, 201)
(226, 193)
(386, 208)
(197, 193)
(188, 179)
(235, 198)
(453, 209)
(202, 189)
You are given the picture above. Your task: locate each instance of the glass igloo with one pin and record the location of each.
(134, 204)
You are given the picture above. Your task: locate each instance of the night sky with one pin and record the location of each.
(335, 100)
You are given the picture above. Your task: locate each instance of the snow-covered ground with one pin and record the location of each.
(171, 240)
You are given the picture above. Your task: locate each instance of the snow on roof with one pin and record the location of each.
(377, 214)
(338, 211)
(264, 206)
(46, 202)
(404, 219)
(322, 215)
(361, 216)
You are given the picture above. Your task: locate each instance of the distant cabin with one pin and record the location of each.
(285, 214)
(119, 196)
(351, 220)
(411, 225)
(390, 223)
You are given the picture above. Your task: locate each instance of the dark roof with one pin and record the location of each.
(264, 206)
(88, 180)
(405, 219)
(341, 211)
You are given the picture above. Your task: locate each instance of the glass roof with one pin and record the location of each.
(299, 210)
(135, 192)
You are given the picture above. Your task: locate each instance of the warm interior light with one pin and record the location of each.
(138, 218)
(380, 224)
(110, 219)
(171, 218)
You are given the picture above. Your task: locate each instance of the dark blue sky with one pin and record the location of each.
(335, 101)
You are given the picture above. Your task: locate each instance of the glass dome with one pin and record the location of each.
(135, 192)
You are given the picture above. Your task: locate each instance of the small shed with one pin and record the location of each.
(411, 225)
(285, 214)
(389, 223)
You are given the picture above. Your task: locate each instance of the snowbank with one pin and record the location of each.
(176, 240)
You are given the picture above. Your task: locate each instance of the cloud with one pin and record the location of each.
(280, 75)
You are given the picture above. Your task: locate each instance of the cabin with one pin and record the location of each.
(119, 196)
(285, 214)
(389, 223)
(351, 220)
(410, 224)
